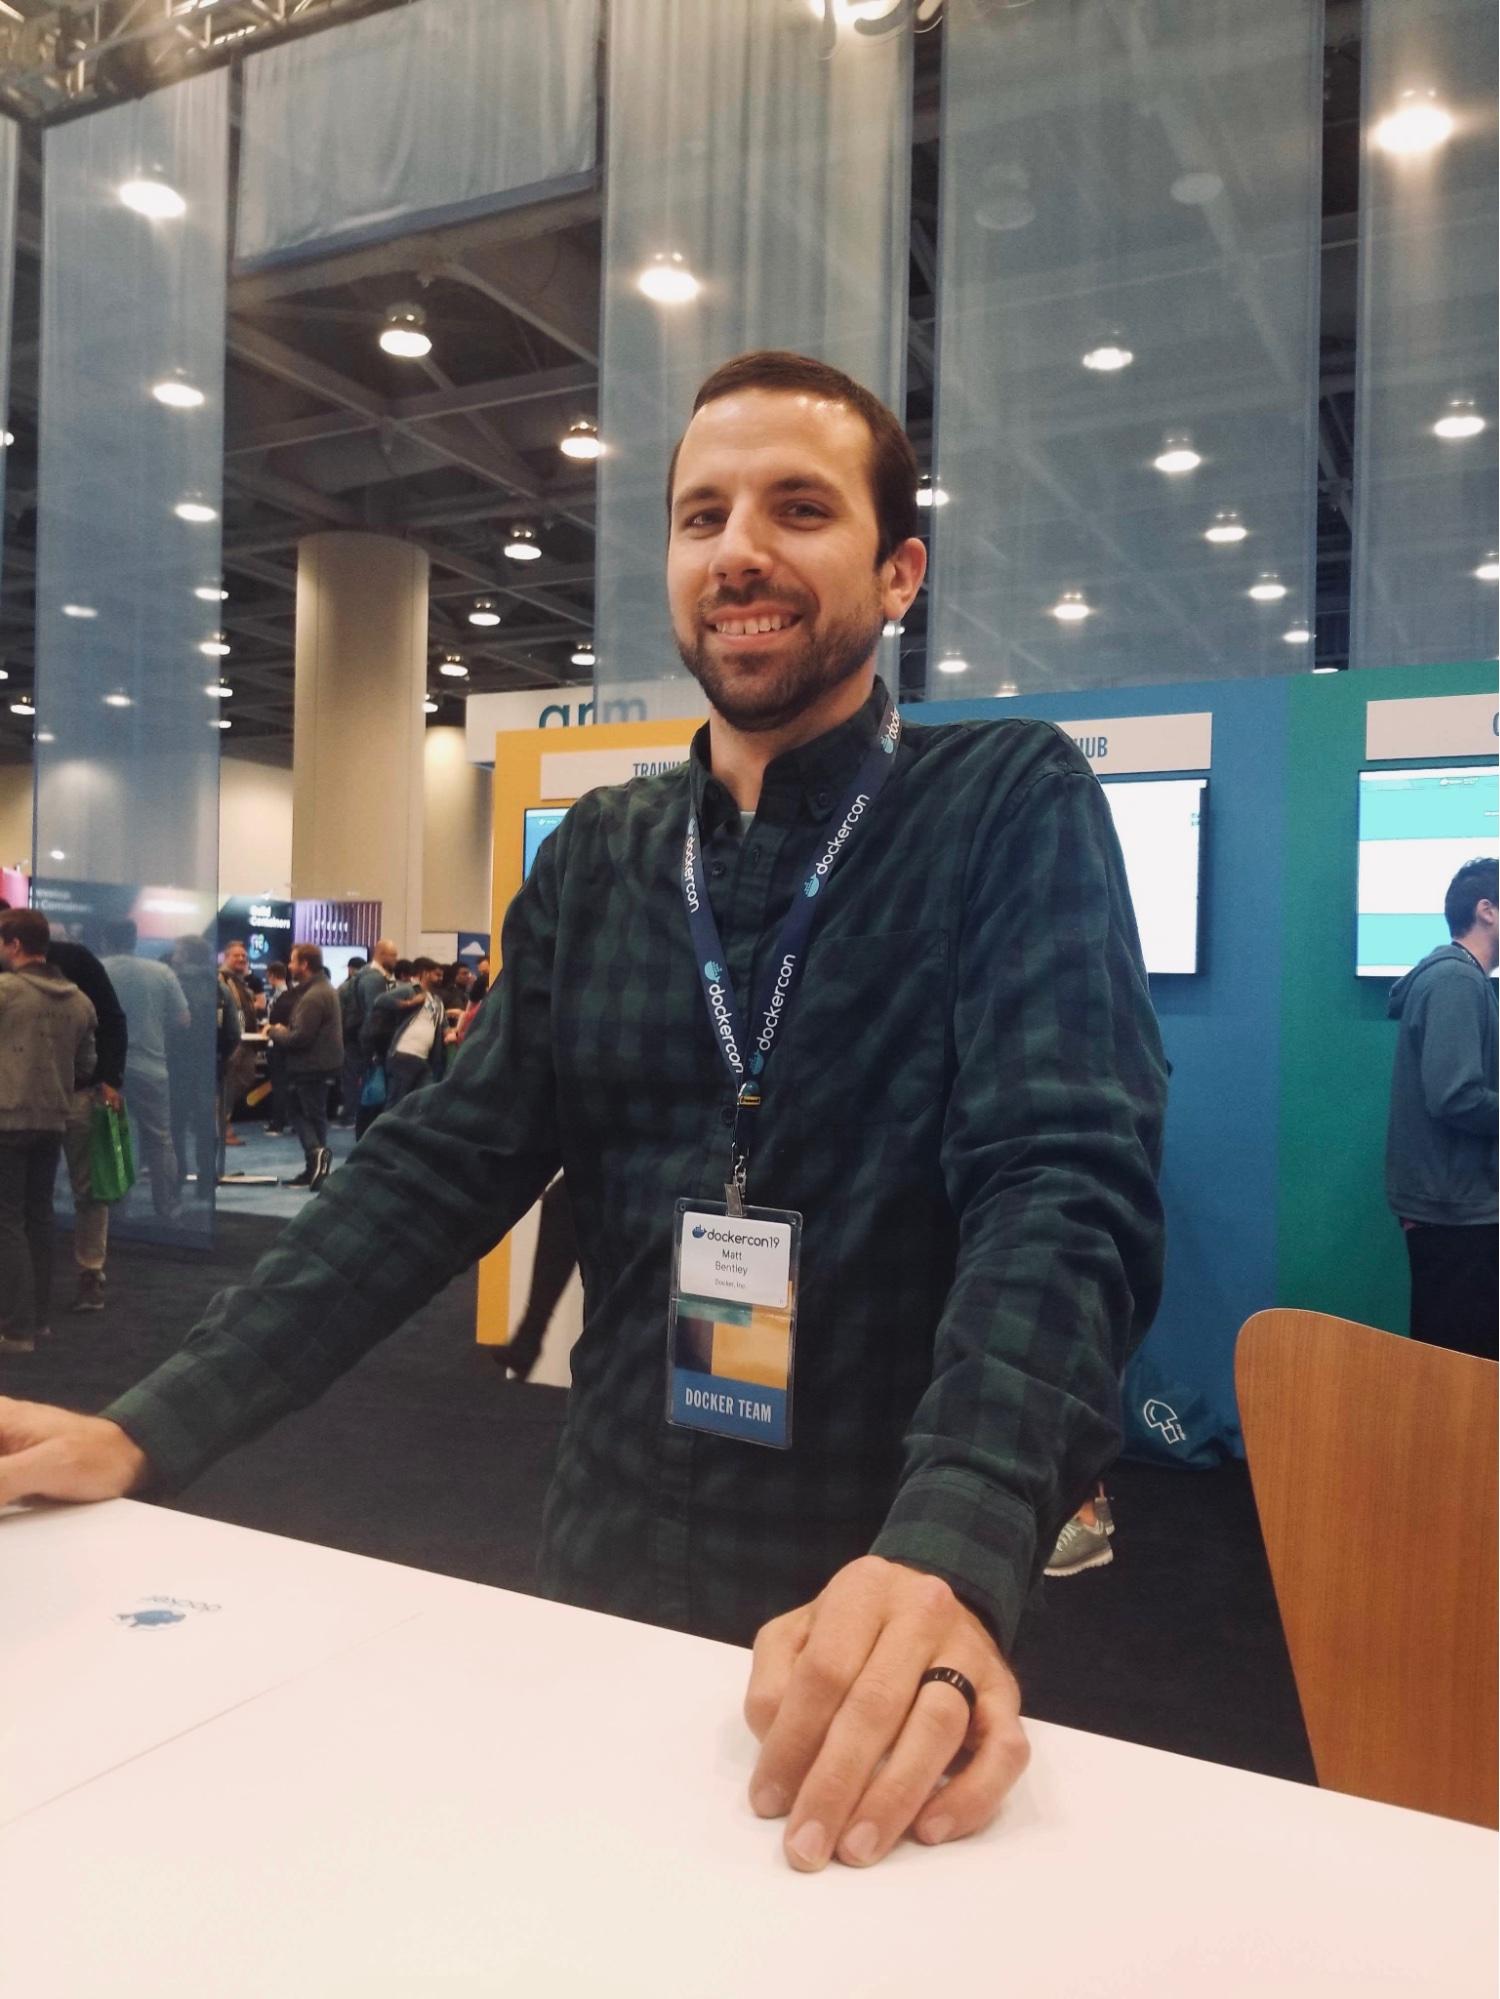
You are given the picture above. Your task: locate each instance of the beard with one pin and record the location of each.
(762, 689)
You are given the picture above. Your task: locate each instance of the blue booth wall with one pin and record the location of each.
(1222, 1032)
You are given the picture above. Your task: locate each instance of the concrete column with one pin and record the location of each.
(459, 834)
(357, 750)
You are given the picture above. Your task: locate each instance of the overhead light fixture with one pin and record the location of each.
(953, 662)
(891, 629)
(4, 673)
(1419, 124)
(522, 544)
(215, 648)
(429, 706)
(667, 280)
(44, 736)
(931, 494)
(219, 690)
(1177, 454)
(582, 440)
(452, 664)
(7, 439)
(1071, 608)
(1460, 419)
(1196, 190)
(1297, 635)
(223, 722)
(178, 395)
(1108, 358)
(207, 594)
(1325, 669)
(1489, 570)
(1225, 528)
(79, 611)
(195, 511)
(118, 700)
(153, 199)
(584, 655)
(56, 854)
(403, 334)
(484, 612)
(23, 707)
(1267, 588)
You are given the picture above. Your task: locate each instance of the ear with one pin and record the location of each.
(901, 577)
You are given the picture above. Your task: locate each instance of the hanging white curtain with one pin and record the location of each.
(1130, 200)
(424, 115)
(1425, 499)
(775, 167)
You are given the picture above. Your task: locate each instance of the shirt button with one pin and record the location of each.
(822, 800)
(717, 869)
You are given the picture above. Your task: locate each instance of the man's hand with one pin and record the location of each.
(111, 1097)
(48, 1453)
(851, 1753)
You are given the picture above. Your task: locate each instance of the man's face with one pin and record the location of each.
(237, 960)
(430, 981)
(773, 522)
(297, 967)
(385, 957)
(463, 979)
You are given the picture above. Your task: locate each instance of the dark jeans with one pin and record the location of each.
(1453, 1284)
(556, 1260)
(281, 1088)
(403, 1074)
(310, 1111)
(352, 1077)
(28, 1167)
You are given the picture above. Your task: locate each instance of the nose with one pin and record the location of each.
(740, 555)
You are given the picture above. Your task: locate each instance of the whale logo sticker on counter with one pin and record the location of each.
(161, 1611)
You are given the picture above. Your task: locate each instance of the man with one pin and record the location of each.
(313, 1043)
(411, 1023)
(111, 1038)
(352, 1074)
(964, 1109)
(378, 977)
(196, 1062)
(156, 1010)
(1440, 1173)
(239, 1071)
(281, 998)
(47, 1055)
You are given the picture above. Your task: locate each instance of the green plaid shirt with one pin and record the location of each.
(965, 1106)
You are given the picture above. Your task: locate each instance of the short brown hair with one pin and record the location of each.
(310, 954)
(893, 464)
(29, 928)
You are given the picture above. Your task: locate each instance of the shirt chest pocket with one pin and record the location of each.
(869, 1029)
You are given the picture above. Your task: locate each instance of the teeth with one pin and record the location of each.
(738, 628)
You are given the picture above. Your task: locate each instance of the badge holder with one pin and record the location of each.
(733, 1321)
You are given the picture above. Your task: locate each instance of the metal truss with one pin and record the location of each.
(57, 59)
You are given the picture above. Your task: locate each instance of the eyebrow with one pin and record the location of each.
(795, 482)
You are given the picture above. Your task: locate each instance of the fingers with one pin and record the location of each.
(1001, 1752)
(843, 1626)
(48, 1453)
(778, 1646)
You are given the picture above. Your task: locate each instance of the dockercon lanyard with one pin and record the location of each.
(785, 966)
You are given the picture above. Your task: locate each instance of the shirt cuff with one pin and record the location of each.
(980, 1540)
(184, 1417)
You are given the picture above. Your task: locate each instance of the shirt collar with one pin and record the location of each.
(812, 778)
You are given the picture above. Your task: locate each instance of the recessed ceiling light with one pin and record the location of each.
(118, 700)
(223, 722)
(219, 690)
(7, 439)
(581, 441)
(79, 611)
(44, 736)
(22, 707)
(429, 706)
(195, 511)
(1267, 588)
(1071, 608)
(207, 594)
(56, 854)
(667, 280)
(153, 198)
(484, 612)
(1297, 635)
(521, 546)
(1460, 419)
(403, 335)
(1225, 527)
(1325, 669)
(930, 494)
(1177, 454)
(452, 664)
(952, 662)
(891, 629)
(178, 395)
(215, 648)
(1108, 358)
(1489, 570)
(584, 655)
(1417, 125)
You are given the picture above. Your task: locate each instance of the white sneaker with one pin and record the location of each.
(1079, 1547)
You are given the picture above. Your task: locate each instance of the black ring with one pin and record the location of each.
(950, 1676)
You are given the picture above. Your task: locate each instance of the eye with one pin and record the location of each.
(808, 509)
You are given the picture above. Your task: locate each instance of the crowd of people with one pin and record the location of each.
(176, 1043)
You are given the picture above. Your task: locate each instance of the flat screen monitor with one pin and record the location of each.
(540, 821)
(336, 959)
(1159, 821)
(1417, 827)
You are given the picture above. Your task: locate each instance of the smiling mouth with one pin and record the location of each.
(754, 628)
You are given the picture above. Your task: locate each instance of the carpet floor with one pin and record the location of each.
(427, 1455)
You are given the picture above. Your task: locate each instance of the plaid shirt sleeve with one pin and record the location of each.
(431, 1186)
(1050, 1151)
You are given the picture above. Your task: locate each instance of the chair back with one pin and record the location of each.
(1373, 1460)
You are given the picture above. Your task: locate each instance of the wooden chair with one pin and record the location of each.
(1373, 1460)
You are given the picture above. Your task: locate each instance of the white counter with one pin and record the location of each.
(351, 1778)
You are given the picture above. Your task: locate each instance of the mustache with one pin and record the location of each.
(736, 600)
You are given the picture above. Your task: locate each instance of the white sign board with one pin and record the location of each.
(570, 773)
(1127, 745)
(1432, 725)
(489, 715)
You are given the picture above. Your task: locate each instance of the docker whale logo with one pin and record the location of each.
(148, 1620)
(699, 1233)
(713, 972)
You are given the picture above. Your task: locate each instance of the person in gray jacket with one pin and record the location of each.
(1440, 1167)
(314, 1045)
(46, 1054)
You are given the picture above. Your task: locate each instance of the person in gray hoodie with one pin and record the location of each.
(1440, 1171)
(46, 1053)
